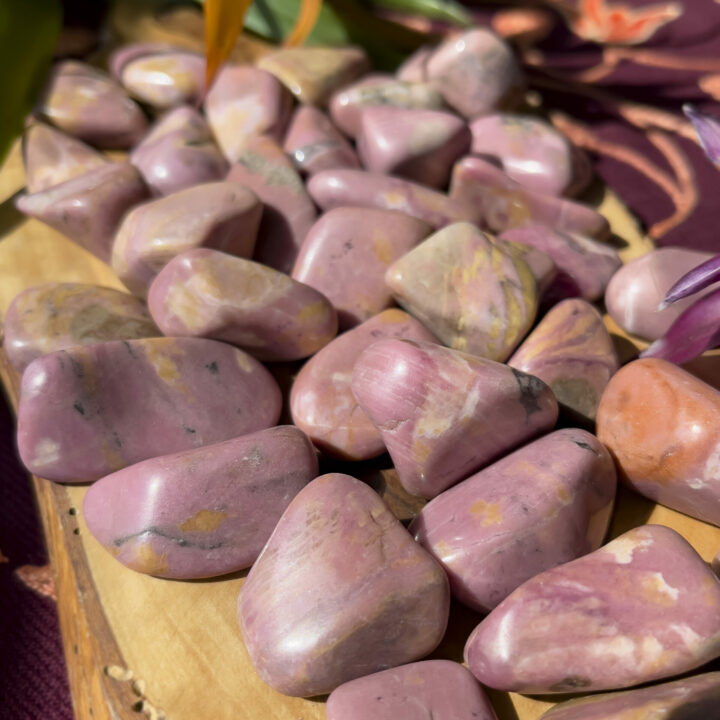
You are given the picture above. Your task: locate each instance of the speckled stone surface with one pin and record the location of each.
(545, 504)
(438, 689)
(89, 410)
(202, 512)
(571, 351)
(347, 252)
(341, 590)
(56, 316)
(662, 425)
(473, 293)
(321, 400)
(641, 608)
(220, 215)
(206, 293)
(443, 414)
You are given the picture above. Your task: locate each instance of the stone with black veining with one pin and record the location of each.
(643, 607)
(443, 414)
(51, 317)
(202, 512)
(571, 351)
(346, 253)
(341, 590)
(206, 293)
(545, 504)
(220, 215)
(321, 400)
(473, 293)
(90, 410)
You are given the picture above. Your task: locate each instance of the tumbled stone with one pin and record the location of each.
(585, 265)
(221, 215)
(315, 144)
(430, 689)
(245, 102)
(692, 698)
(541, 264)
(321, 400)
(544, 505)
(206, 293)
(179, 152)
(51, 157)
(89, 208)
(202, 512)
(420, 145)
(662, 425)
(472, 292)
(715, 564)
(341, 590)
(346, 253)
(443, 414)
(357, 188)
(348, 104)
(312, 74)
(85, 102)
(571, 351)
(414, 69)
(51, 317)
(637, 289)
(503, 203)
(288, 211)
(642, 608)
(476, 72)
(89, 410)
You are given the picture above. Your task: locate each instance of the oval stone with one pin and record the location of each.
(544, 505)
(341, 590)
(89, 410)
(202, 512)
(205, 293)
(51, 317)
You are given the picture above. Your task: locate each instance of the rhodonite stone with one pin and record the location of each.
(716, 564)
(312, 74)
(662, 425)
(89, 208)
(244, 102)
(89, 410)
(541, 264)
(205, 293)
(288, 211)
(438, 689)
(321, 400)
(545, 504)
(85, 102)
(51, 157)
(346, 253)
(693, 698)
(414, 69)
(51, 317)
(202, 512)
(341, 590)
(221, 215)
(444, 414)
(419, 145)
(637, 288)
(642, 608)
(472, 292)
(573, 353)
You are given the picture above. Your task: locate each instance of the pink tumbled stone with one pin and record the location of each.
(341, 590)
(346, 253)
(414, 69)
(321, 400)
(202, 512)
(641, 608)
(545, 504)
(443, 414)
(438, 689)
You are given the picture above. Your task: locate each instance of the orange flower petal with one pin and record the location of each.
(224, 20)
(308, 16)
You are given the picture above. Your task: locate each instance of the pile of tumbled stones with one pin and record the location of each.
(310, 198)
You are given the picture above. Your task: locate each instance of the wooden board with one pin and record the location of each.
(181, 639)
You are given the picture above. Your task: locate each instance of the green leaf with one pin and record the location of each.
(274, 19)
(446, 10)
(28, 33)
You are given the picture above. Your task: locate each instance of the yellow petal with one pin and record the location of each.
(224, 20)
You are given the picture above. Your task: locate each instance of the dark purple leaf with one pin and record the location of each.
(707, 128)
(697, 279)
